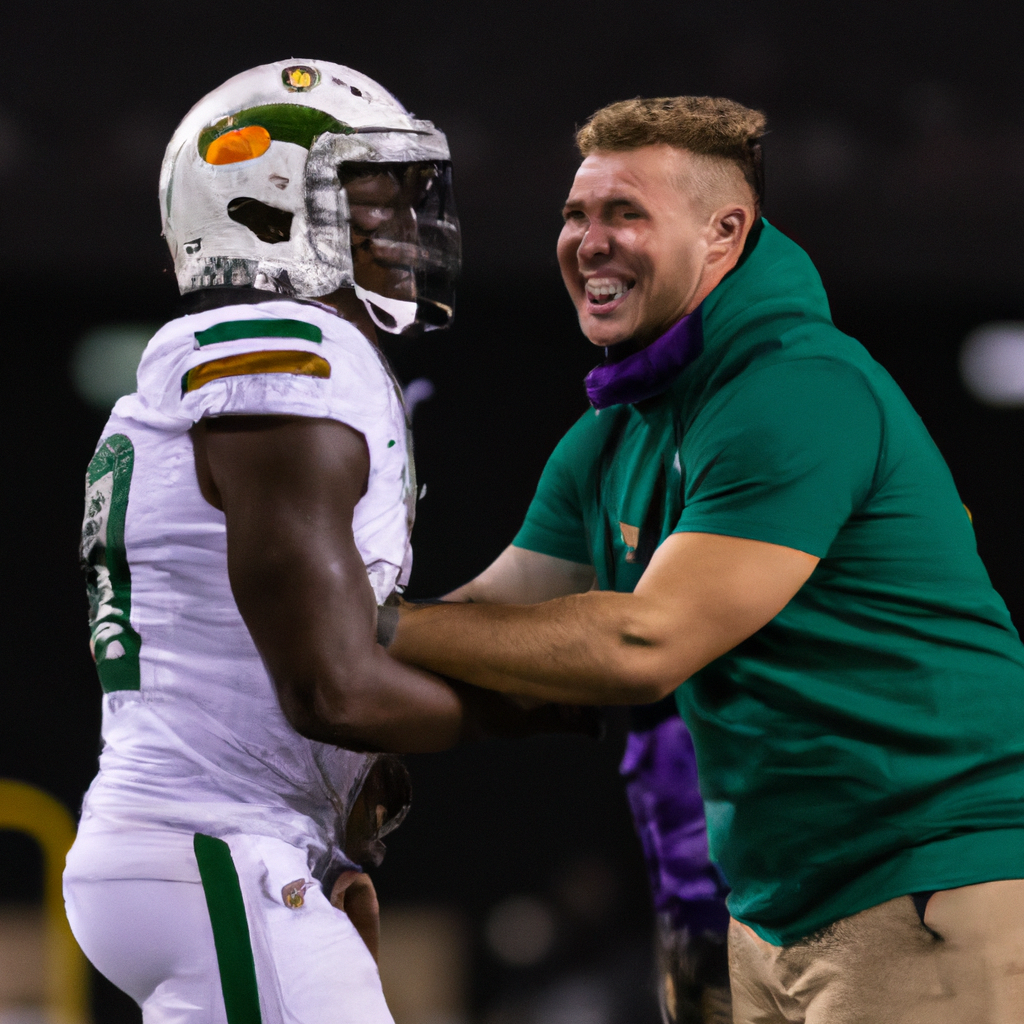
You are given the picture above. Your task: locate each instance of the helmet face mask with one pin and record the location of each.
(265, 187)
(403, 239)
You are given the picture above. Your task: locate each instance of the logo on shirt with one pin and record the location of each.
(631, 538)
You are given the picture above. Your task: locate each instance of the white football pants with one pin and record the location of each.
(180, 947)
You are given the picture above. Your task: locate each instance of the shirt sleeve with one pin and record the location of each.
(784, 456)
(261, 364)
(554, 523)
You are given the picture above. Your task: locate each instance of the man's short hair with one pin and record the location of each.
(708, 126)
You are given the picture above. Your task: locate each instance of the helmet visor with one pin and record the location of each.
(404, 233)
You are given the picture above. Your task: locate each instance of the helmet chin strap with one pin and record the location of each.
(399, 314)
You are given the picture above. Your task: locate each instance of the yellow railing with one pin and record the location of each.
(39, 815)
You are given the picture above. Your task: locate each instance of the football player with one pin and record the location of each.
(247, 510)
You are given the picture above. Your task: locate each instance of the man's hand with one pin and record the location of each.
(354, 893)
(701, 596)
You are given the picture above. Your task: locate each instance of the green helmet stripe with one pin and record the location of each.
(286, 122)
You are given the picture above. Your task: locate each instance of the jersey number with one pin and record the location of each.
(115, 645)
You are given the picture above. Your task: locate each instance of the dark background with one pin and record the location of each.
(895, 156)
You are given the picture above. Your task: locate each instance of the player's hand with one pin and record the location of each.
(354, 893)
(496, 715)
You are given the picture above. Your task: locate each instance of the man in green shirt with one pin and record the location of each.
(754, 517)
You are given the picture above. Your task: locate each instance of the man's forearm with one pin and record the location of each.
(701, 595)
(593, 648)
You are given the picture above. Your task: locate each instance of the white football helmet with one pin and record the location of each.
(302, 177)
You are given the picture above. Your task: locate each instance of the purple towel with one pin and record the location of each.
(660, 769)
(649, 371)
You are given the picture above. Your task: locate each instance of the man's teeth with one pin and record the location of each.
(606, 289)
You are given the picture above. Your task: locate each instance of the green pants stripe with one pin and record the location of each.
(230, 929)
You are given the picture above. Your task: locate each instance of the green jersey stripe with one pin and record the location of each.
(237, 330)
(230, 929)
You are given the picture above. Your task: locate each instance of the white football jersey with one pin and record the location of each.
(194, 736)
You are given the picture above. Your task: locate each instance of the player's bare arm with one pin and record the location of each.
(288, 487)
(701, 596)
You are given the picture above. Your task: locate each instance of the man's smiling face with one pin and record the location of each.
(634, 245)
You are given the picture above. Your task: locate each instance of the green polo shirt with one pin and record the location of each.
(869, 741)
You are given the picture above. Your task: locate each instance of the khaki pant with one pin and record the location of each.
(882, 966)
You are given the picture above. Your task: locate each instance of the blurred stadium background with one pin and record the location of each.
(515, 893)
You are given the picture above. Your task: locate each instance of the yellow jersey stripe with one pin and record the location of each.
(305, 364)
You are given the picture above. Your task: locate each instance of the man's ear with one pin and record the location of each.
(726, 235)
